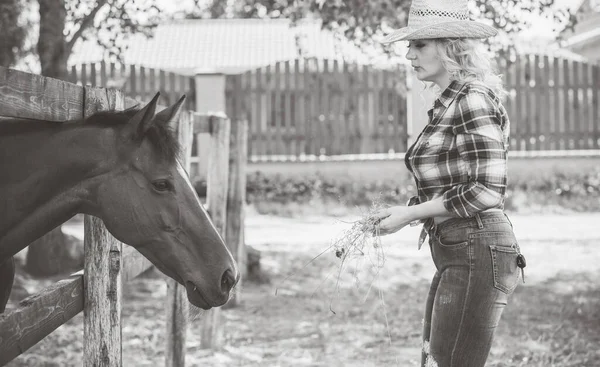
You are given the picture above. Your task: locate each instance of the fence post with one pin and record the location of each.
(217, 184)
(102, 270)
(177, 303)
(236, 199)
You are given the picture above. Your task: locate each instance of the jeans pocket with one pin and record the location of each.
(453, 237)
(504, 266)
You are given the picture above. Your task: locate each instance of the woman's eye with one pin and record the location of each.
(162, 185)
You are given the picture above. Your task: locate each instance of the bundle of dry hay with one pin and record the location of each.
(362, 238)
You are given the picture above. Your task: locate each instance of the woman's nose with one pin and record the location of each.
(410, 55)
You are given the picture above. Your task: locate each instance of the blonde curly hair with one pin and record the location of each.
(467, 60)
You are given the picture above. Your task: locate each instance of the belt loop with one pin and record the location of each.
(479, 222)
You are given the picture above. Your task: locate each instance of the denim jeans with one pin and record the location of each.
(476, 262)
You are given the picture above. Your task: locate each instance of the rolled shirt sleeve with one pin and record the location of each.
(481, 145)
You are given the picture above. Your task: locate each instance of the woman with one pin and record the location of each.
(459, 165)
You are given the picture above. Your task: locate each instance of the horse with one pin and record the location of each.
(123, 168)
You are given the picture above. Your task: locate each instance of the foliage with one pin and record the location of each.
(64, 22)
(13, 32)
(363, 22)
(577, 191)
(280, 189)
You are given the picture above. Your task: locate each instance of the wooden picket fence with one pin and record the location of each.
(137, 82)
(553, 103)
(320, 107)
(309, 107)
(107, 262)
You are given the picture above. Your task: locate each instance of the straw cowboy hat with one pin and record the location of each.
(440, 19)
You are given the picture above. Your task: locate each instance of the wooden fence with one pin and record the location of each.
(107, 262)
(320, 107)
(553, 103)
(313, 107)
(137, 82)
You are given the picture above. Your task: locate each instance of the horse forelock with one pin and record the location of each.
(161, 136)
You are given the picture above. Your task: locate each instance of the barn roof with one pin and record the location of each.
(224, 45)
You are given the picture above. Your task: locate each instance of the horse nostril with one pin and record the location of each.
(227, 281)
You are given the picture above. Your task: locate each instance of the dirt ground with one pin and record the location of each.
(306, 312)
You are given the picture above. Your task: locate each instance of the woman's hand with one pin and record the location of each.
(393, 219)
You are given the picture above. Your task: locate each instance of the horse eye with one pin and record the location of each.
(161, 185)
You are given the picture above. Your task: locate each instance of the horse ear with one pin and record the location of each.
(169, 115)
(142, 120)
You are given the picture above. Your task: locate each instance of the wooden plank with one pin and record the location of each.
(142, 86)
(103, 76)
(529, 117)
(73, 75)
(385, 143)
(324, 111)
(519, 102)
(578, 119)
(534, 105)
(289, 142)
(552, 101)
(103, 266)
(236, 199)
(30, 96)
(559, 102)
(39, 315)
(568, 103)
(583, 132)
(84, 76)
(177, 303)
(299, 110)
(596, 105)
(357, 101)
(335, 128)
(271, 143)
(217, 183)
(251, 111)
(261, 114)
(93, 75)
(133, 83)
(103, 294)
(278, 118)
(308, 111)
(543, 91)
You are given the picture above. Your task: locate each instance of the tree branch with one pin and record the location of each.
(84, 23)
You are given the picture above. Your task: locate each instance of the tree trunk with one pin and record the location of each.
(47, 255)
(13, 34)
(52, 45)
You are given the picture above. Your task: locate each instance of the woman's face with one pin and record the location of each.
(426, 62)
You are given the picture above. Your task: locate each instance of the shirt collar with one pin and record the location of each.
(448, 95)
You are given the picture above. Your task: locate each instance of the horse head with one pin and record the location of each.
(147, 201)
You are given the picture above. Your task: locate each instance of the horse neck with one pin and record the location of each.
(49, 174)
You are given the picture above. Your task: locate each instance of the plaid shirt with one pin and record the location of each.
(461, 153)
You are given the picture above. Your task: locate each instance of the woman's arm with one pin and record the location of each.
(397, 217)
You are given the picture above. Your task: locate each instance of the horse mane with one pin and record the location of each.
(162, 136)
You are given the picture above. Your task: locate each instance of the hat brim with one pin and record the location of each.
(454, 29)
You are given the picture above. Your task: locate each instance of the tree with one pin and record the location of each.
(109, 22)
(363, 22)
(13, 33)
